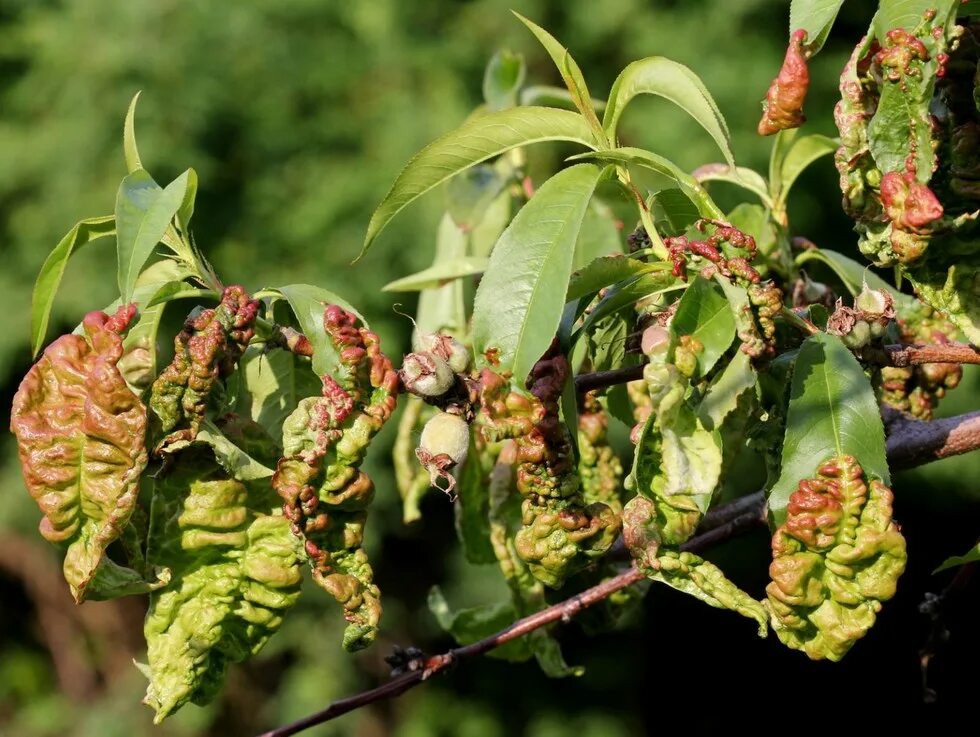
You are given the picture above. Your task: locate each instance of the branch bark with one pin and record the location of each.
(910, 443)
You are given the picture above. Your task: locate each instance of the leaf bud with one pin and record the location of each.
(426, 375)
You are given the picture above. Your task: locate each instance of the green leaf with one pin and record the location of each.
(832, 412)
(605, 271)
(740, 176)
(673, 211)
(143, 214)
(308, 303)
(599, 235)
(816, 17)
(442, 309)
(438, 275)
(853, 274)
(472, 624)
(722, 396)
(469, 194)
(473, 509)
(657, 75)
(186, 210)
(502, 80)
(704, 313)
(627, 293)
(900, 126)
(781, 144)
(551, 96)
(478, 139)
(908, 14)
(519, 302)
(637, 156)
(486, 232)
(130, 151)
(971, 556)
(173, 290)
(803, 151)
(272, 384)
(53, 269)
(239, 464)
(570, 73)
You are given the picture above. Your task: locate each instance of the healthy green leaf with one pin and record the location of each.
(130, 151)
(599, 235)
(571, 74)
(239, 464)
(627, 293)
(637, 156)
(478, 139)
(816, 17)
(474, 623)
(438, 275)
(186, 210)
(971, 556)
(832, 412)
(853, 274)
(473, 508)
(53, 269)
(803, 151)
(486, 232)
(606, 271)
(308, 303)
(143, 214)
(442, 309)
(740, 176)
(665, 78)
(550, 96)
(502, 80)
(271, 385)
(722, 396)
(673, 211)
(469, 194)
(704, 314)
(519, 303)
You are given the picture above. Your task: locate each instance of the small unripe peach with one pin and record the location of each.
(426, 375)
(447, 348)
(443, 446)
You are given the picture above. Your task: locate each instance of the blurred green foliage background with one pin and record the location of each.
(297, 114)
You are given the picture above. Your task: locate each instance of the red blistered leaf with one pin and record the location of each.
(80, 434)
(783, 106)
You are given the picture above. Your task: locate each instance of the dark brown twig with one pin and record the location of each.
(901, 355)
(601, 379)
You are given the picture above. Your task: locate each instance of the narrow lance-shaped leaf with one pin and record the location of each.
(802, 152)
(571, 74)
(740, 176)
(832, 412)
(816, 17)
(722, 396)
(502, 80)
(438, 275)
(80, 434)
(477, 140)
(853, 274)
(143, 214)
(665, 78)
(971, 556)
(53, 269)
(130, 151)
(519, 302)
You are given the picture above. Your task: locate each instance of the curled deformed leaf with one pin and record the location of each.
(836, 558)
(206, 349)
(324, 492)
(235, 571)
(783, 107)
(80, 433)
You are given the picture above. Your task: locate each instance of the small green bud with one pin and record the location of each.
(426, 375)
(859, 336)
(443, 446)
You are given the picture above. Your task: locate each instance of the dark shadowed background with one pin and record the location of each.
(297, 114)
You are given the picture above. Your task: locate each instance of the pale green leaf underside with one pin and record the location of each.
(520, 299)
(832, 411)
(803, 151)
(438, 274)
(130, 151)
(673, 81)
(853, 274)
(53, 269)
(477, 140)
(741, 176)
(704, 314)
(722, 396)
